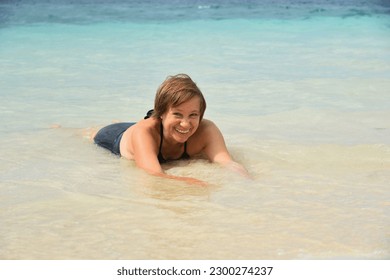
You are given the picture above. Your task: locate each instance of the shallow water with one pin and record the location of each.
(300, 96)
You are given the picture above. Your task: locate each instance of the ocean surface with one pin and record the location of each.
(300, 90)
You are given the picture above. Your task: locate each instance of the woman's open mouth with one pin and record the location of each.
(182, 131)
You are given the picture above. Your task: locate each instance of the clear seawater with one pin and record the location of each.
(300, 90)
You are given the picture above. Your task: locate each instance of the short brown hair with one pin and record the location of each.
(174, 91)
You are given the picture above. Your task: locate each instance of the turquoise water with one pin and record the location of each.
(299, 90)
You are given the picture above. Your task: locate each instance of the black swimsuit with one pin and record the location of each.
(109, 137)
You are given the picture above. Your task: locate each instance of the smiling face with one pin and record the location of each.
(174, 91)
(181, 122)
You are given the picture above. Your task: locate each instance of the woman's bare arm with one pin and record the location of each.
(215, 149)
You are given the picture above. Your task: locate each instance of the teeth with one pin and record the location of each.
(182, 131)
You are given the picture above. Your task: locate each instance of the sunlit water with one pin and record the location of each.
(300, 92)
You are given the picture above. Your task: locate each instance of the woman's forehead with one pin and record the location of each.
(191, 104)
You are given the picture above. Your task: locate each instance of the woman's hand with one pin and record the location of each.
(188, 180)
(238, 168)
(193, 181)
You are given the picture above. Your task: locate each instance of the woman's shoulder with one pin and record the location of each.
(207, 126)
(144, 131)
(205, 123)
(204, 131)
(147, 127)
(208, 135)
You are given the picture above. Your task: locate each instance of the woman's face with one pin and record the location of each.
(181, 122)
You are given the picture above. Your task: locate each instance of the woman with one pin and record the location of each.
(175, 129)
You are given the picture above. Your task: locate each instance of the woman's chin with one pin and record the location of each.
(181, 138)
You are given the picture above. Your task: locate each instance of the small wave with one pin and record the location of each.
(356, 13)
(201, 7)
(317, 11)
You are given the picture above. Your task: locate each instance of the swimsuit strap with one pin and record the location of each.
(185, 155)
(149, 114)
(160, 157)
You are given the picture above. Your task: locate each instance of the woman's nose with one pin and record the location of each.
(184, 122)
